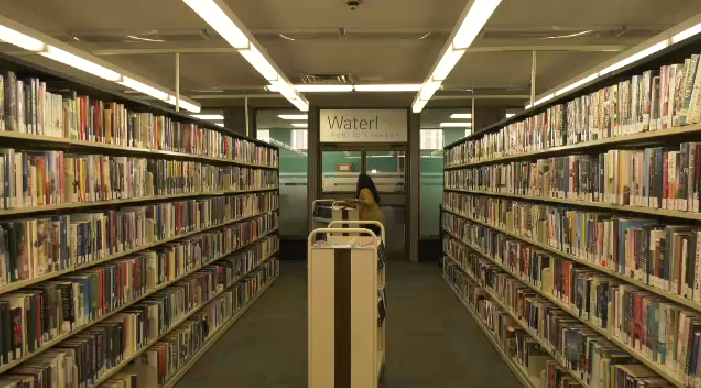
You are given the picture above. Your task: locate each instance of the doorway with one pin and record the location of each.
(386, 165)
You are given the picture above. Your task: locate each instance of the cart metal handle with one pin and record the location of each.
(348, 222)
(342, 230)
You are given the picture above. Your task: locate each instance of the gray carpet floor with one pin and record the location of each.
(431, 338)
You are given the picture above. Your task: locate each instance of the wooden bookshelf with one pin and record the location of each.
(24, 283)
(660, 369)
(666, 294)
(246, 157)
(151, 198)
(598, 205)
(14, 138)
(215, 337)
(547, 347)
(77, 330)
(659, 134)
(629, 107)
(518, 371)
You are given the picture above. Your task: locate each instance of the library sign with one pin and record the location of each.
(362, 125)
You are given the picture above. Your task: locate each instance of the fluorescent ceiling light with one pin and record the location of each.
(461, 116)
(143, 88)
(258, 61)
(209, 117)
(576, 84)
(528, 106)
(457, 125)
(217, 19)
(313, 88)
(388, 88)
(74, 61)
(300, 104)
(446, 64)
(418, 105)
(635, 57)
(188, 106)
(476, 18)
(510, 115)
(688, 33)
(20, 40)
(428, 89)
(300, 125)
(219, 124)
(293, 117)
(544, 99)
(281, 86)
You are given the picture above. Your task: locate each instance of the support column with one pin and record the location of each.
(533, 69)
(235, 119)
(413, 177)
(312, 160)
(484, 116)
(177, 82)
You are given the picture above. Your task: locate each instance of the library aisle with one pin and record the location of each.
(432, 335)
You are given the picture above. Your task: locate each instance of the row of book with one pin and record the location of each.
(30, 107)
(180, 318)
(666, 257)
(656, 100)
(531, 329)
(73, 304)
(36, 178)
(156, 367)
(651, 326)
(35, 247)
(662, 177)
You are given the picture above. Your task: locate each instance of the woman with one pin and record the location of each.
(368, 200)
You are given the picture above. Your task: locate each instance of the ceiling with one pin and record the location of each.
(383, 41)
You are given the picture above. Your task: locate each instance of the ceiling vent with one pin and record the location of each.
(326, 78)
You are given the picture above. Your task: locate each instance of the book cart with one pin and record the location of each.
(346, 313)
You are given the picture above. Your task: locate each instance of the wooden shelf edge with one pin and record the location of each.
(167, 197)
(216, 336)
(540, 342)
(64, 336)
(666, 294)
(661, 370)
(518, 372)
(24, 283)
(605, 205)
(96, 145)
(659, 133)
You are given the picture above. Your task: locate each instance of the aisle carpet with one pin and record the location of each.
(432, 341)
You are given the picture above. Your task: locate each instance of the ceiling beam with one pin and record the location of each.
(191, 50)
(127, 51)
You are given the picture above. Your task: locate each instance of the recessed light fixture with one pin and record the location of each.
(461, 116)
(209, 117)
(293, 117)
(457, 125)
(374, 171)
(301, 125)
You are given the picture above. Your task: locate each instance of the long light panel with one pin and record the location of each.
(32, 40)
(346, 88)
(224, 22)
(474, 18)
(670, 37)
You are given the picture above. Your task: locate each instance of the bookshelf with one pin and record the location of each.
(582, 214)
(111, 210)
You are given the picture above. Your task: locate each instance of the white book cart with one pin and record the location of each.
(346, 325)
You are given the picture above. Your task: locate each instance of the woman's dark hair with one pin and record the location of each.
(365, 182)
